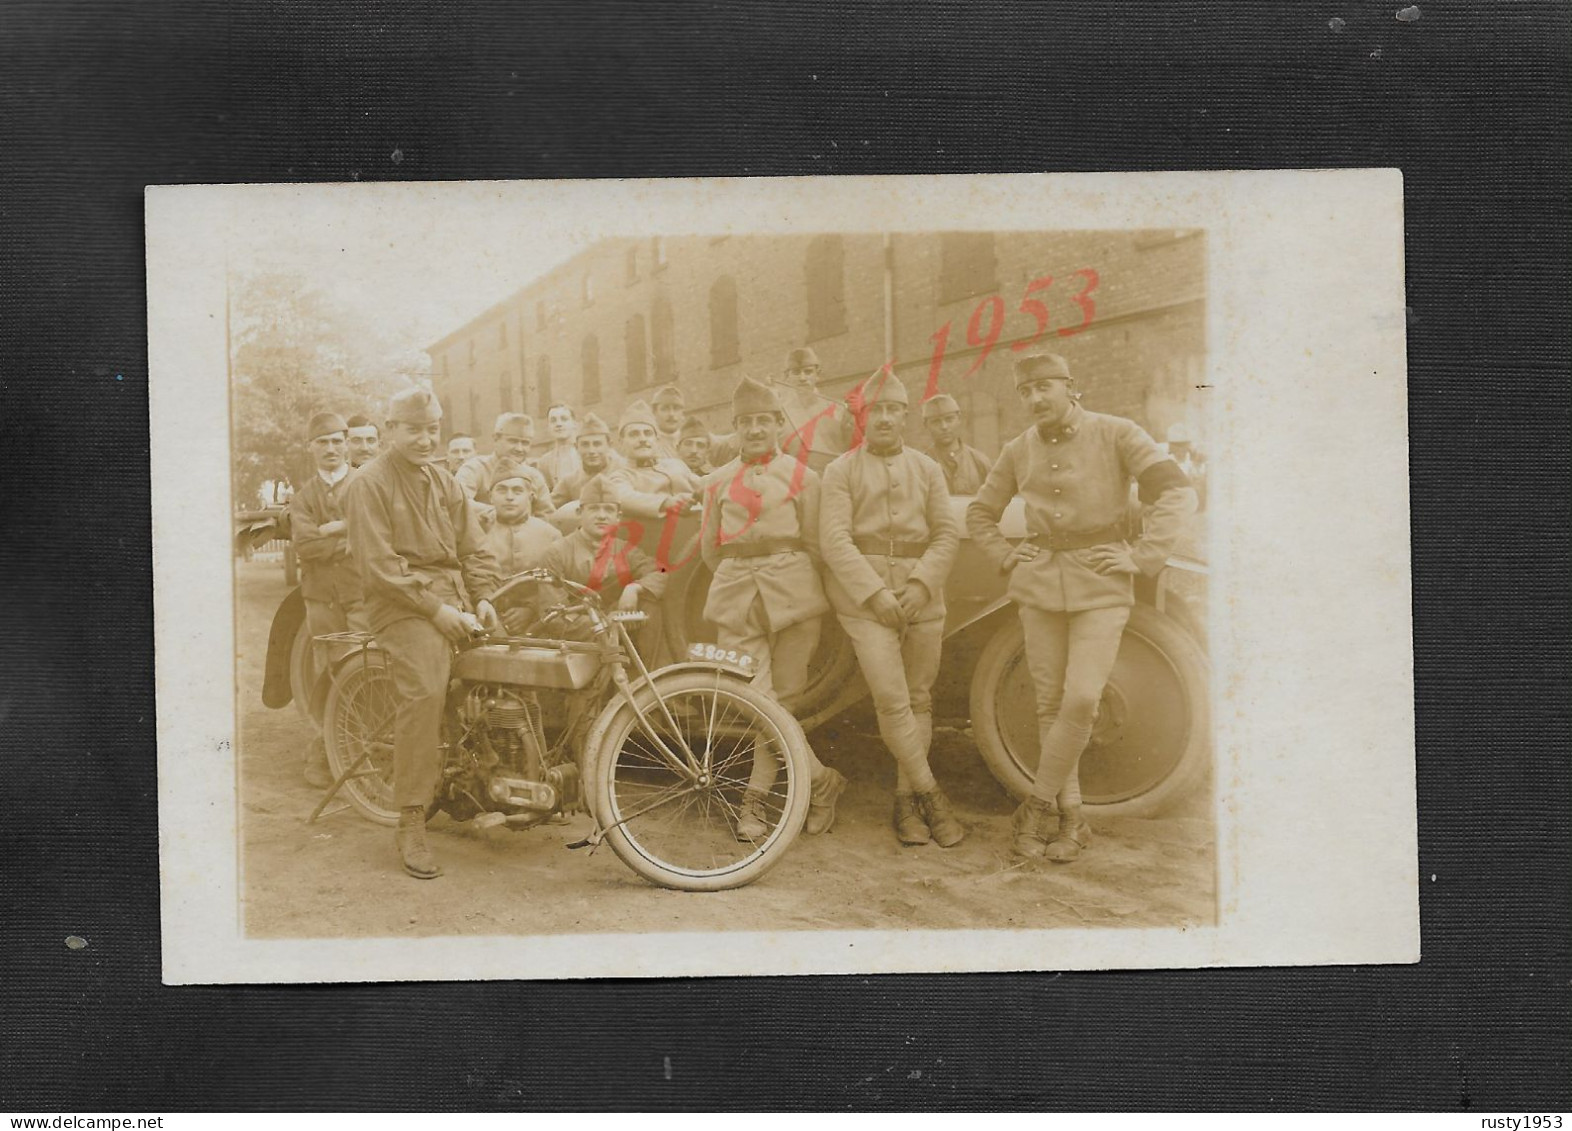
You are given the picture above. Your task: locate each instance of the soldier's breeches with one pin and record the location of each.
(1070, 656)
(900, 670)
(323, 617)
(421, 659)
(783, 671)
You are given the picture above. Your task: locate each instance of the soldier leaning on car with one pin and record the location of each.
(889, 537)
(760, 536)
(424, 564)
(511, 438)
(1072, 577)
(329, 579)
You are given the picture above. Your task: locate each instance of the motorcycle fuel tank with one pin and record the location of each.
(564, 665)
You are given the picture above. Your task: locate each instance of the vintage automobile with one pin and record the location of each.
(1150, 746)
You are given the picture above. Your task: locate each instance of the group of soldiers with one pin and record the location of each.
(808, 506)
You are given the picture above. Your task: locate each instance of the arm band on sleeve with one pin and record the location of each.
(1158, 478)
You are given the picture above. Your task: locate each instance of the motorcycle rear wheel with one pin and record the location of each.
(358, 718)
(683, 833)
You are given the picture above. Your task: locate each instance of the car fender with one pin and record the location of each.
(291, 612)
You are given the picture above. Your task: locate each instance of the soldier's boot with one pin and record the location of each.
(910, 828)
(751, 824)
(1074, 835)
(826, 790)
(935, 809)
(410, 836)
(1034, 824)
(319, 775)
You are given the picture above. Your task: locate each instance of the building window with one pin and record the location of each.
(590, 356)
(663, 331)
(725, 345)
(505, 391)
(543, 383)
(658, 251)
(474, 413)
(540, 315)
(966, 265)
(638, 352)
(633, 265)
(588, 289)
(826, 273)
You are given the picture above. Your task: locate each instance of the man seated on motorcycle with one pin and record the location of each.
(598, 556)
(417, 539)
(518, 539)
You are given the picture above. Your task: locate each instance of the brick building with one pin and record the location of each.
(628, 315)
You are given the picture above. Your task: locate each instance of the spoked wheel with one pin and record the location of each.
(358, 720)
(700, 827)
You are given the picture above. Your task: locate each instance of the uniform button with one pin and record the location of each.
(1056, 491)
(1054, 466)
(1056, 514)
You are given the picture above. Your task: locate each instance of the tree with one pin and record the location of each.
(294, 351)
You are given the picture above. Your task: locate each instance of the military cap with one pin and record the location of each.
(515, 424)
(801, 358)
(360, 420)
(415, 406)
(1038, 365)
(325, 424)
(938, 405)
(593, 425)
(669, 393)
(597, 490)
(511, 471)
(884, 386)
(636, 413)
(692, 426)
(751, 396)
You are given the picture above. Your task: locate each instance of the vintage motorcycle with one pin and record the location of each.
(539, 725)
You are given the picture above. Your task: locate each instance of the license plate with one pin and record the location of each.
(728, 657)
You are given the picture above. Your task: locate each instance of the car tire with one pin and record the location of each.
(1151, 744)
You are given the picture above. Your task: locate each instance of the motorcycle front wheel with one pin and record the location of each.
(723, 824)
(358, 720)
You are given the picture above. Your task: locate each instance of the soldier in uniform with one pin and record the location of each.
(650, 485)
(964, 466)
(461, 449)
(329, 580)
(670, 407)
(623, 575)
(593, 445)
(889, 538)
(560, 460)
(693, 446)
(760, 536)
(517, 539)
(511, 438)
(424, 565)
(821, 427)
(1072, 578)
(364, 440)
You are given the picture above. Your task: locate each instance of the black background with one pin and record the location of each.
(1471, 101)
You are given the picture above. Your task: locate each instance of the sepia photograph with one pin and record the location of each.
(626, 581)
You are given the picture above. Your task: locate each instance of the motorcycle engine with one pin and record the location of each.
(501, 765)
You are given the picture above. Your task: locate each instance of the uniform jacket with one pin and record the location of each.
(641, 490)
(417, 541)
(1077, 477)
(557, 463)
(480, 472)
(327, 572)
(964, 469)
(575, 556)
(518, 546)
(747, 504)
(899, 497)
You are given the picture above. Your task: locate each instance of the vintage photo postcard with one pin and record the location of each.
(773, 576)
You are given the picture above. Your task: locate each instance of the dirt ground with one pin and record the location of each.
(339, 877)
